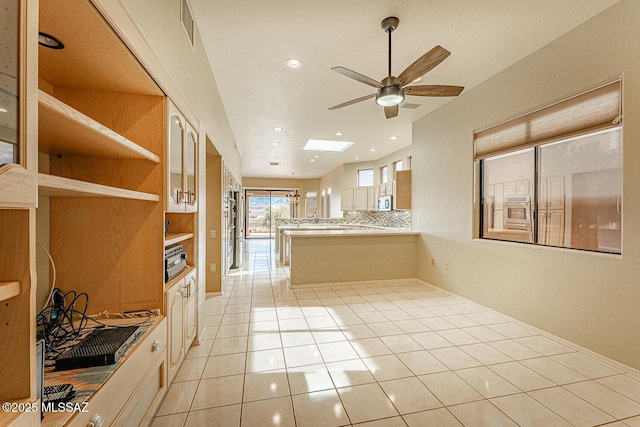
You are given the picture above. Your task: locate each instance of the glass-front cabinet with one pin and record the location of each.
(9, 79)
(182, 164)
(18, 143)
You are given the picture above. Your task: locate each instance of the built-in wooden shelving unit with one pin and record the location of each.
(9, 290)
(64, 130)
(173, 238)
(56, 186)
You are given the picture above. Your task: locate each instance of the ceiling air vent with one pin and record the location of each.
(187, 21)
(274, 164)
(410, 106)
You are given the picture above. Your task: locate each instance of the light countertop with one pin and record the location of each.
(343, 232)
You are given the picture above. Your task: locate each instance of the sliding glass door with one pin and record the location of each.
(263, 208)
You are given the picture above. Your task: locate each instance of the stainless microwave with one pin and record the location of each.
(385, 203)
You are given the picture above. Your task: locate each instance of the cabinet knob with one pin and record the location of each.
(155, 346)
(95, 421)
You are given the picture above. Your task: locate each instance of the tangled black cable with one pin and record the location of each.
(62, 321)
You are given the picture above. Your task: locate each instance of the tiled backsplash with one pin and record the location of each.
(392, 219)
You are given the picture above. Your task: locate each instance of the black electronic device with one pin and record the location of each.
(58, 393)
(100, 347)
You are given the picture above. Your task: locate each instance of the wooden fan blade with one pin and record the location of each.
(433, 90)
(353, 101)
(357, 76)
(391, 112)
(422, 65)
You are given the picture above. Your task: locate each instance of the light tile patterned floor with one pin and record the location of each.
(392, 354)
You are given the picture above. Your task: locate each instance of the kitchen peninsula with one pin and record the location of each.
(333, 256)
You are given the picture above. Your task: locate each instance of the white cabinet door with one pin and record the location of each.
(388, 190)
(555, 192)
(182, 164)
(371, 198)
(346, 199)
(360, 195)
(175, 315)
(190, 291)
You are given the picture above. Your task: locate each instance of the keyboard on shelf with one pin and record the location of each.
(58, 393)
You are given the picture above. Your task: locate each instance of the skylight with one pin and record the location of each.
(327, 146)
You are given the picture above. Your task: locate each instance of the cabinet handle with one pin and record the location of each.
(179, 196)
(186, 291)
(155, 346)
(95, 421)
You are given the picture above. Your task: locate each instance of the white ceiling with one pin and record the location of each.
(249, 41)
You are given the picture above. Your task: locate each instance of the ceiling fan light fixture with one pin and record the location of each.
(389, 96)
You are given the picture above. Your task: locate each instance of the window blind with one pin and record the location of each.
(589, 111)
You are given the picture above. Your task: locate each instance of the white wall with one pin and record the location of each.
(333, 182)
(590, 299)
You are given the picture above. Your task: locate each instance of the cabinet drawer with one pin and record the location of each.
(142, 405)
(109, 401)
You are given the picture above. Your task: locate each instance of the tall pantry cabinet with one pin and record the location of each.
(87, 154)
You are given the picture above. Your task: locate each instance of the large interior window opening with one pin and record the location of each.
(554, 176)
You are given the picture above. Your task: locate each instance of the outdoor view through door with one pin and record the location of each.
(263, 207)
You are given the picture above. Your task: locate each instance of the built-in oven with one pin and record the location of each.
(384, 203)
(517, 213)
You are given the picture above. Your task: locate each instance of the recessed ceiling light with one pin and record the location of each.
(274, 143)
(338, 133)
(278, 129)
(313, 160)
(357, 158)
(316, 156)
(49, 41)
(324, 145)
(393, 138)
(272, 154)
(373, 149)
(293, 63)
(3, 110)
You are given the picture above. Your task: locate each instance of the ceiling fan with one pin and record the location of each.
(391, 90)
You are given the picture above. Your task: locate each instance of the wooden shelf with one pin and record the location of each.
(9, 290)
(64, 130)
(55, 186)
(173, 238)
